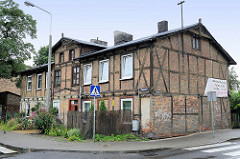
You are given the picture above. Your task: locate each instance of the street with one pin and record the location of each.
(221, 150)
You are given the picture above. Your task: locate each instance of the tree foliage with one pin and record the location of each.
(234, 83)
(235, 101)
(41, 57)
(15, 26)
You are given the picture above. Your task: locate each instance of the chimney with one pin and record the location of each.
(200, 20)
(96, 41)
(62, 35)
(122, 37)
(162, 26)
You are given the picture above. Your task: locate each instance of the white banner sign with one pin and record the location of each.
(220, 86)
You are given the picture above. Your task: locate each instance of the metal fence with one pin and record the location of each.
(107, 123)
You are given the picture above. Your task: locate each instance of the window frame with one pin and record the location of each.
(71, 56)
(56, 78)
(83, 108)
(84, 74)
(100, 71)
(27, 111)
(195, 42)
(39, 88)
(123, 77)
(46, 79)
(75, 74)
(127, 99)
(61, 57)
(29, 89)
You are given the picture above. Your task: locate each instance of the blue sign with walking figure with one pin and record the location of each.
(95, 91)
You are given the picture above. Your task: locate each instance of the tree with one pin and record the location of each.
(235, 101)
(41, 57)
(102, 105)
(234, 83)
(15, 26)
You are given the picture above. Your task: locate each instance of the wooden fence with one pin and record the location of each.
(235, 120)
(107, 123)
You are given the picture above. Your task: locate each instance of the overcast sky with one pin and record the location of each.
(88, 19)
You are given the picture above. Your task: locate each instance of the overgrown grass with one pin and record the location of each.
(118, 138)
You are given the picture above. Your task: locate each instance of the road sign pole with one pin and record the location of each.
(212, 118)
(94, 121)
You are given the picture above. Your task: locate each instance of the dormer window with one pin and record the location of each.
(195, 42)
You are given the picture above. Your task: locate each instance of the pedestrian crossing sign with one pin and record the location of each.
(95, 91)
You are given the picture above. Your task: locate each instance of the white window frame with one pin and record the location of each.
(46, 79)
(84, 74)
(100, 71)
(39, 88)
(29, 89)
(127, 99)
(122, 67)
(84, 102)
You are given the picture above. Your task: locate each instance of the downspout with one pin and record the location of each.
(139, 105)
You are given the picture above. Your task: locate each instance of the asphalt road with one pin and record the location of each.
(222, 151)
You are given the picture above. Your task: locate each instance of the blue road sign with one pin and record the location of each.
(95, 91)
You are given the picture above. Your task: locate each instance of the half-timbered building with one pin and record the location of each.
(159, 78)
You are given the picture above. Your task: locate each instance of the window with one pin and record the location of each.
(29, 83)
(61, 58)
(27, 108)
(127, 66)
(57, 78)
(86, 106)
(73, 105)
(56, 104)
(126, 104)
(195, 41)
(39, 81)
(46, 78)
(71, 55)
(126, 107)
(75, 76)
(87, 74)
(103, 70)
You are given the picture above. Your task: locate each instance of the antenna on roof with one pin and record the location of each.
(181, 3)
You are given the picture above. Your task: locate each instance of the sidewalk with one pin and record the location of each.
(36, 143)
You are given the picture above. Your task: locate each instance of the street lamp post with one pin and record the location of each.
(29, 4)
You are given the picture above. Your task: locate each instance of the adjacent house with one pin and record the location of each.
(160, 78)
(9, 97)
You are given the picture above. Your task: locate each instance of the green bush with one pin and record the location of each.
(12, 123)
(59, 131)
(102, 105)
(74, 132)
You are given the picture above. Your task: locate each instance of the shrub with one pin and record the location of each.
(91, 108)
(74, 132)
(44, 119)
(11, 123)
(102, 105)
